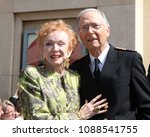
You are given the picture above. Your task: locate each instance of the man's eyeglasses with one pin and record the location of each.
(85, 28)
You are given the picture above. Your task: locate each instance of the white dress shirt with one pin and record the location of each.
(101, 57)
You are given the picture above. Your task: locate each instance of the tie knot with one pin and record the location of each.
(96, 60)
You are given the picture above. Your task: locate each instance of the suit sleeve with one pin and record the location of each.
(140, 88)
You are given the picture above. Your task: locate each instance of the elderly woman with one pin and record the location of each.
(9, 111)
(1, 110)
(50, 91)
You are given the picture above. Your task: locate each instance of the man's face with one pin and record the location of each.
(93, 31)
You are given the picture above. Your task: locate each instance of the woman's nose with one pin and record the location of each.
(55, 47)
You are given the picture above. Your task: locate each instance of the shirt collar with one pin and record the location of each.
(102, 56)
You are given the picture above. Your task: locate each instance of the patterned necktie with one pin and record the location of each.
(96, 71)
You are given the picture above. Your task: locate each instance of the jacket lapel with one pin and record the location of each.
(87, 70)
(110, 65)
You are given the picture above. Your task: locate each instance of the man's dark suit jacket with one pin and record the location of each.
(148, 75)
(122, 81)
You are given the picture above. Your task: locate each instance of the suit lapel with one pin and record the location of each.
(87, 70)
(110, 65)
(89, 85)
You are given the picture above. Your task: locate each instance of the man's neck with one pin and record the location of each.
(96, 52)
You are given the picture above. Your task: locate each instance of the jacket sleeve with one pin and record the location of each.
(140, 88)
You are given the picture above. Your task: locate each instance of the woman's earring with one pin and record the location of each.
(67, 63)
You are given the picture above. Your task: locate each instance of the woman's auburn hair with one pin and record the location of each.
(55, 25)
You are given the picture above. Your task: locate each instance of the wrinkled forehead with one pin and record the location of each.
(90, 17)
(58, 35)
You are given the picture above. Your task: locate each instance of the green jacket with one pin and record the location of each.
(46, 95)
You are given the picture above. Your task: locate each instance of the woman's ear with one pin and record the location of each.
(69, 53)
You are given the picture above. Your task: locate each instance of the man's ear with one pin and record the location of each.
(108, 31)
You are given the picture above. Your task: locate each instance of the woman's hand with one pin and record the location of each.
(93, 107)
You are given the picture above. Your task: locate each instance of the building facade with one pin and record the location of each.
(19, 20)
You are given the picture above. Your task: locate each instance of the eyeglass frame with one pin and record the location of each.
(94, 26)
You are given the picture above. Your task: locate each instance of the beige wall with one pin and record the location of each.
(6, 46)
(31, 13)
(146, 33)
(121, 16)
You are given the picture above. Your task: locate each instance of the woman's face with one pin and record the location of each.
(55, 47)
(9, 114)
(1, 111)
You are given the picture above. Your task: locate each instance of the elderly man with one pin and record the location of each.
(118, 74)
(148, 75)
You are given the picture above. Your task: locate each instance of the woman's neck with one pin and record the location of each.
(57, 68)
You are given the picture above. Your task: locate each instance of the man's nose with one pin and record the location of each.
(90, 29)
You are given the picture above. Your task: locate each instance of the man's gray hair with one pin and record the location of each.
(92, 10)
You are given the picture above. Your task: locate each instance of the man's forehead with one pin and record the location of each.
(92, 18)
